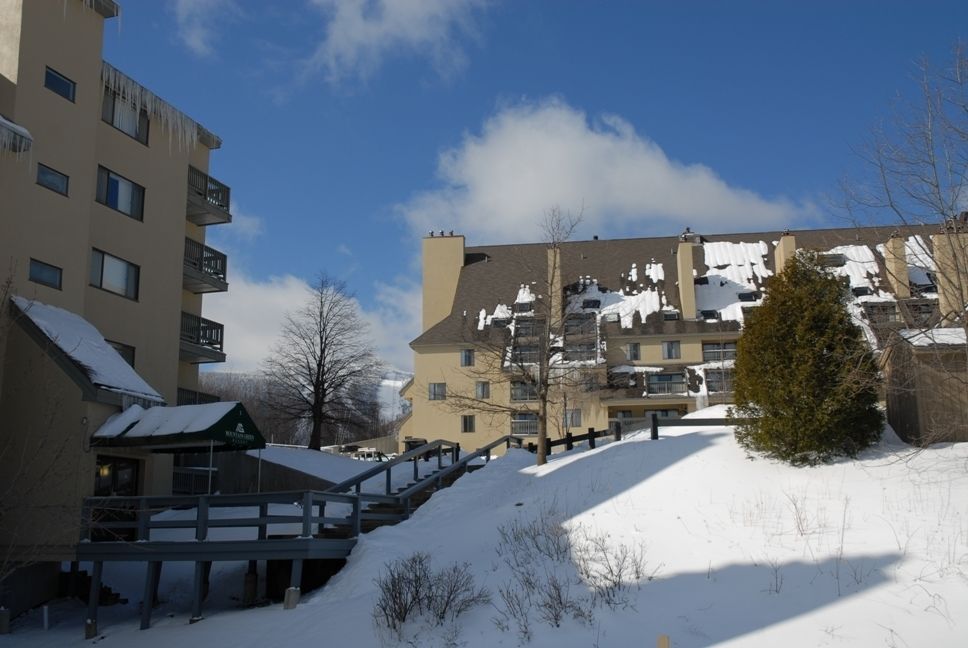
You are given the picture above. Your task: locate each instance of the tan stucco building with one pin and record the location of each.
(637, 326)
(106, 197)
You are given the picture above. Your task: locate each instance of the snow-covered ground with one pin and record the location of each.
(872, 552)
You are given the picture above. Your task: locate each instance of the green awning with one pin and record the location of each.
(188, 428)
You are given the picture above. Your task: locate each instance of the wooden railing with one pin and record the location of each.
(214, 192)
(131, 518)
(201, 331)
(205, 259)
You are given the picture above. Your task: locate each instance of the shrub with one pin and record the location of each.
(804, 373)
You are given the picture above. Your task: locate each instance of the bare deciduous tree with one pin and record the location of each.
(322, 369)
(917, 165)
(532, 355)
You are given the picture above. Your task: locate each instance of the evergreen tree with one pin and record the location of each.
(805, 376)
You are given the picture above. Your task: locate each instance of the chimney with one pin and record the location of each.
(684, 267)
(950, 249)
(443, 257)
(786, 249)
(895, 260)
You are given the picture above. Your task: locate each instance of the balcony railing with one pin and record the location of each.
(205, 268)
(529, 427)
(718, 355)
(192, 397)
(208, 199)
(666, 388)
(201, 339)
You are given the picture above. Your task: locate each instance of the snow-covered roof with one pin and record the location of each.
(185, 130)
(86, 347)
(14, 137)
(137, 421)
(223, 425)
(734, 269)
(935, 336)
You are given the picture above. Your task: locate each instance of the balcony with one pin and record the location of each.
(208, 199)
(204, 269)
(667, 388)
(201, 340)
(192, 397)
(522, 427)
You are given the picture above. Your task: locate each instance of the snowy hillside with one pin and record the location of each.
(730, 552)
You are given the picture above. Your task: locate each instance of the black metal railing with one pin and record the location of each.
(206, 260)
(201, 331)
(213, 191)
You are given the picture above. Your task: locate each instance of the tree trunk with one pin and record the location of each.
(315, 436)
(542, 431)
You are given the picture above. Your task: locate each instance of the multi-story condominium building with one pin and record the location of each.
(105, 197)
(628, 328)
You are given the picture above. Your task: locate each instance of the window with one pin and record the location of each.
(523, 307)
(467, 423)
(580, 325)
(45, 274)
(124, 116)
(719, 380)
(124, 350)
(525, 354)
(591, 303)
(482, 390)
(718, 351)
(523, 391)
(438, 391)
(634, 351)
(114, 275)
(750, 296)
(53, 180)
(467, 357)
(709, 314)
(670, 316)
(525, 328)
(60, 84)
(120, 193)
(572, 418)
(671, 350)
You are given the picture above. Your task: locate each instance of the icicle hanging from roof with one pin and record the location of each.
(185, 130)
(14, 138)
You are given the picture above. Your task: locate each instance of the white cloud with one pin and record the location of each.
(253, 311)
(195, 19)
(361, 33)
(496, 185)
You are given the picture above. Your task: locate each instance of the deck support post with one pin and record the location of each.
(591, 438)
(655, 426)
(199, 589)
(291, 599)
(90, 625)
(152, 576)
(250, 587)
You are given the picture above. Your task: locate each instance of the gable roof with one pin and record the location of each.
(82, 351)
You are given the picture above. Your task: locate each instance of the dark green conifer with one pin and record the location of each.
(804, 372)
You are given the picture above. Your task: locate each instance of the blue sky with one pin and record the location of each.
(352, 127)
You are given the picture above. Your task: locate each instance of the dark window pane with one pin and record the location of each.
(60, 84)
(44, 273)
(54, 180)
